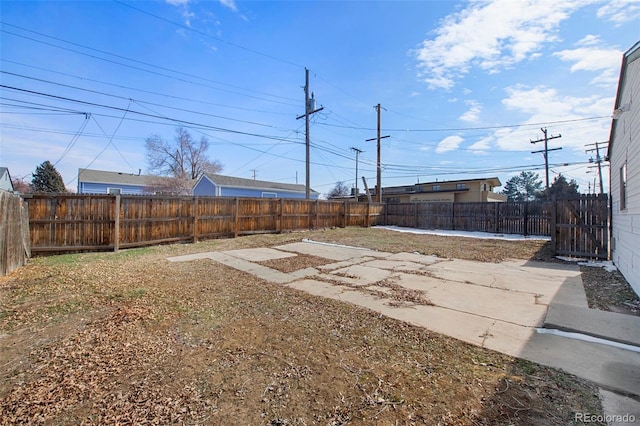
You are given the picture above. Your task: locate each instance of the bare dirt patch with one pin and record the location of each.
(295, 263)
(132, 338)
(609, 291)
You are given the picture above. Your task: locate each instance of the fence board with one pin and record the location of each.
(14, 233)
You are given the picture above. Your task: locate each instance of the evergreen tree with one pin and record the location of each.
(526, 186)
(562, 188)
(47, 179)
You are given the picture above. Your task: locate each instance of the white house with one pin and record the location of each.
(624, 158)
(5, 180)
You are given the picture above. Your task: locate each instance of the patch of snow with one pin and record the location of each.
(468, 234)
(606, 264)
(587, 338)
(306, 240)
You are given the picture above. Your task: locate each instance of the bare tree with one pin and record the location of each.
(183, 158)
(338, 191)
(161, 185)
(22, 186)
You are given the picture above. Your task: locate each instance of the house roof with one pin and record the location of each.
(629, 56)
(231, 181)
(493, 181)
(4, 170)
(100, 176)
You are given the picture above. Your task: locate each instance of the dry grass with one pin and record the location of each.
(132, 338)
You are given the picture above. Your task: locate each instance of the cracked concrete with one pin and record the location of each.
(495, 306)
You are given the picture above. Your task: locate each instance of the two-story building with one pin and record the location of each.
(452, 191)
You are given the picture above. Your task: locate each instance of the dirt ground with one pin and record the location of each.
(130, 338)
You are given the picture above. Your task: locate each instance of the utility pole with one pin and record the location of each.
(545, 152)
(598, 162)
(309, 108)
(357, 151)
(254, 173)
(378, 168)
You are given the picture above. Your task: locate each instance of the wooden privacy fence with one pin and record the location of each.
(580, 226)
(14, 232)
(528, 218)
(70, 223)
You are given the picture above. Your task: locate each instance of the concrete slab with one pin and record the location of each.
(190, 257)
(416, 258)
(259, 271)
(417, 282)
(495, 303)
(362, 275)
(328, 251)
(614, 368)
(522, 276)
(571, 293)
(592, 322)
(508, 338)
(495, 306)
(619, 410)
(397, 265)
(259, 254)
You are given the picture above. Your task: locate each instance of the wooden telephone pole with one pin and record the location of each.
(545, 152)
(358, 152)
(378, 168)
(309, 108)
(598, 162)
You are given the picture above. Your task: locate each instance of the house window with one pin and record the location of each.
(461, 186)
(269, 195)
(435, 188)
(114, 191)
(623, 187)
(484, 187)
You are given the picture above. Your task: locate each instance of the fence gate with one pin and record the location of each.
(580, 226)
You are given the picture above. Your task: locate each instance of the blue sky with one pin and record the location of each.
(464, 86)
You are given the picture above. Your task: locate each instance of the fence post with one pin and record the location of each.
(526, 218)
(415, 215)
(497, 216)
(553, 222)
(386, 214)
(116, 225)
(195, 219)
(453, 216)
(367, 222)
(281, 208)
(345, 214)
(235, 219)
(317, 224)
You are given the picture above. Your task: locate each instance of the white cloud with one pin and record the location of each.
(231, 4)
(178, 2)
(482, 146)
(449, 144)
(491, 35)
(591, 56)
(544, 105)
(620, 11)
(472, 115)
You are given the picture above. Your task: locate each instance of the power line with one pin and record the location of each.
(137, 101)
(175, 120)
(456, 129)
(184, 27)
(164, 95)
(145, 64)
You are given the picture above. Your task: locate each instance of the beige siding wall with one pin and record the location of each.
(626, 148)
